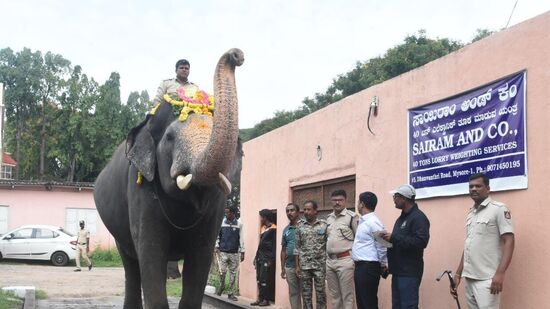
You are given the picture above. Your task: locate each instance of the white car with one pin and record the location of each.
(39, 242)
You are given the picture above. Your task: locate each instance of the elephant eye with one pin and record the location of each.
(169, 136)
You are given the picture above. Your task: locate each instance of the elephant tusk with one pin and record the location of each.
(184, 182)
(225, 183)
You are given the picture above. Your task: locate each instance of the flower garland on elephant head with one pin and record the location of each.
(191, 101)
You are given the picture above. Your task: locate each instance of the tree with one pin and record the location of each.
(416, 51)
(52, 79)
(108, 111)
(135, 110)
(72, 151)
(481, 34)
(20, 72)
(61, 124)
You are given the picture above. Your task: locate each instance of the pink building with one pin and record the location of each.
(50, 203)
(7, 166)
(333, 148)
(53, 204)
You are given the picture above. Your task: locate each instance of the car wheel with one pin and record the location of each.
(60, 259)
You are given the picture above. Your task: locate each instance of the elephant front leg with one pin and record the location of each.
(195, 274)
(152, 264)
(132, 297)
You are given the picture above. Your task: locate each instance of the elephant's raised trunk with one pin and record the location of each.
(218, 155)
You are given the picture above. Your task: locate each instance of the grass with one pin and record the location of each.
(40, 294)
(9, 301)
(214, 277)
(214, 280)
(173, 286)
(111, 258)
(106, 258)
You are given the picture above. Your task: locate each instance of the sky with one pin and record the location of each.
(293, 49)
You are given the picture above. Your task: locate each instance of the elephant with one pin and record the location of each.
(163, 193)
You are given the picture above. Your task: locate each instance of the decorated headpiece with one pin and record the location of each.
(190, 100)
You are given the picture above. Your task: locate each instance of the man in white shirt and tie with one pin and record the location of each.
(369, 255)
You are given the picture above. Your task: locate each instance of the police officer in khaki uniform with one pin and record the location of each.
(342, 225)
(171, 86)
(488, 247)
(83, 246)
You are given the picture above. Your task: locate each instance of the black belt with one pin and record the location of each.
(366, 262)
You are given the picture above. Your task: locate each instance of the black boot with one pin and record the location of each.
(264, 303)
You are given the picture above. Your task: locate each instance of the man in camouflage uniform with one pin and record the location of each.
(170, 86)
(310, 252)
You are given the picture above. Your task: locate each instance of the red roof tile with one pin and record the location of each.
(7, 159)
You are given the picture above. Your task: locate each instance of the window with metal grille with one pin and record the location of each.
(320, 192)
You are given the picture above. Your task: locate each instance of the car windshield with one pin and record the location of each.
(65, 231)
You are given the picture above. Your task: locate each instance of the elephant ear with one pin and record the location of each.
(140, 150)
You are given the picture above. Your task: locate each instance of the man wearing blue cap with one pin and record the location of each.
(409, 238)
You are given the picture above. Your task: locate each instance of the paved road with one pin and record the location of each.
(63, 282)
(98, 289)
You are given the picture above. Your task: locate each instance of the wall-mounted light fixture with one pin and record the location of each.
(373, 109)
(319, 153)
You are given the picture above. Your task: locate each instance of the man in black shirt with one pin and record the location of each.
(265, 257)
(409, 238)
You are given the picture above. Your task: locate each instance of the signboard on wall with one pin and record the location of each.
(481, 130)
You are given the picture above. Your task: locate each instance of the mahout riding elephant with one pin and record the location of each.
(162, 195)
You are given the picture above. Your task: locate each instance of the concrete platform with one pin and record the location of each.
(223, 302)
(210, 301)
